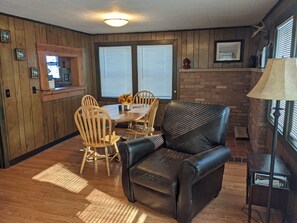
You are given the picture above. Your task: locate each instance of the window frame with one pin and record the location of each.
(75, 56)
(288, 114)
(292, 142)
(134, 45)
(284, 129)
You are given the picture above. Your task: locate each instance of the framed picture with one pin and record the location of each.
(20, 54)
(34, 72)
(4, 36)
(66, 77)
(228, 51)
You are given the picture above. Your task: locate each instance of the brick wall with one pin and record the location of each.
(257, 119)
(219, 86)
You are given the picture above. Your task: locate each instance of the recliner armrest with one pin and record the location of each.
(201, 164)
(131, 153)
(134, 150)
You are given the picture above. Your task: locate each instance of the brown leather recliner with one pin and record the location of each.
(181, 170)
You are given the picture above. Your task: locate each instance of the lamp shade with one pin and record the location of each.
(116, 22)
(278, 82)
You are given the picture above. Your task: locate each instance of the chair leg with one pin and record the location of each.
(117, 151)
(128, 136)
(130, 124)
(84, 160)
(107, 161)
(95, 154)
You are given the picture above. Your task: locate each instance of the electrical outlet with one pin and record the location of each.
(7, 93)
(34, 90)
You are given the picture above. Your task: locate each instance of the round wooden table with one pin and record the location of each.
(137, 111)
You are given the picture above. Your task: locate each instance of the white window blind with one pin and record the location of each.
(284, 33)
(154, 65)
(284, 39)
(115, 70)
(293, 131)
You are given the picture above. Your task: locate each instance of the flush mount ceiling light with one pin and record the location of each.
(116, 22)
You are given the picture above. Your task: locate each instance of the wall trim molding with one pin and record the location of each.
(40, 149)
(260, 70)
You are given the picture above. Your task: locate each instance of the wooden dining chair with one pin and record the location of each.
(95, 128)
(89, 100)
(147, 127)
(143, 97)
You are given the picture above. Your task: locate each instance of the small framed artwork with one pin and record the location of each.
(34, 72)
(66, 77)
(228, 51)
(20, 54)
(4, 36)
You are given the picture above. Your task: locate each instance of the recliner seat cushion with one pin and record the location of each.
(159, 171)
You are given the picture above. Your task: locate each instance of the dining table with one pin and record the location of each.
(118, 115)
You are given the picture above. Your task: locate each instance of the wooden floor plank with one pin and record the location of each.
(48, 188)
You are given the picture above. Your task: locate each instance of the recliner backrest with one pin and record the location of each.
(193, 127)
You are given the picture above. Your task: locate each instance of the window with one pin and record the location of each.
(71, 73)
(115, 70)
(283, 46)
(53, 66)
(154, 65)
(130, 67)
(284, 33)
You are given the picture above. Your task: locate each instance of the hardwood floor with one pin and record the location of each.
(49, 188)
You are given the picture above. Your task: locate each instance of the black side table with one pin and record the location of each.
(257, 194)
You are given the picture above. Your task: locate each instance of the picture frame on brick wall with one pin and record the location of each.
(228, 51)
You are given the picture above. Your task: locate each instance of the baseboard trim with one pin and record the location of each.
(40, 149)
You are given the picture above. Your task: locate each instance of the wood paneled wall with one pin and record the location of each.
(197, 45)
(30, 123)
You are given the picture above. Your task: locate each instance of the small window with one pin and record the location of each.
(53, 66)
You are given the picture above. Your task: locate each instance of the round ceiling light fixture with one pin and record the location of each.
(116, 22)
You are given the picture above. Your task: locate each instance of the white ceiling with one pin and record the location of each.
(144, 15)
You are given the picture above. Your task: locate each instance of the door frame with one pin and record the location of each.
(4, 161)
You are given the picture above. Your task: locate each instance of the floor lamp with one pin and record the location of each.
(278, 82)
